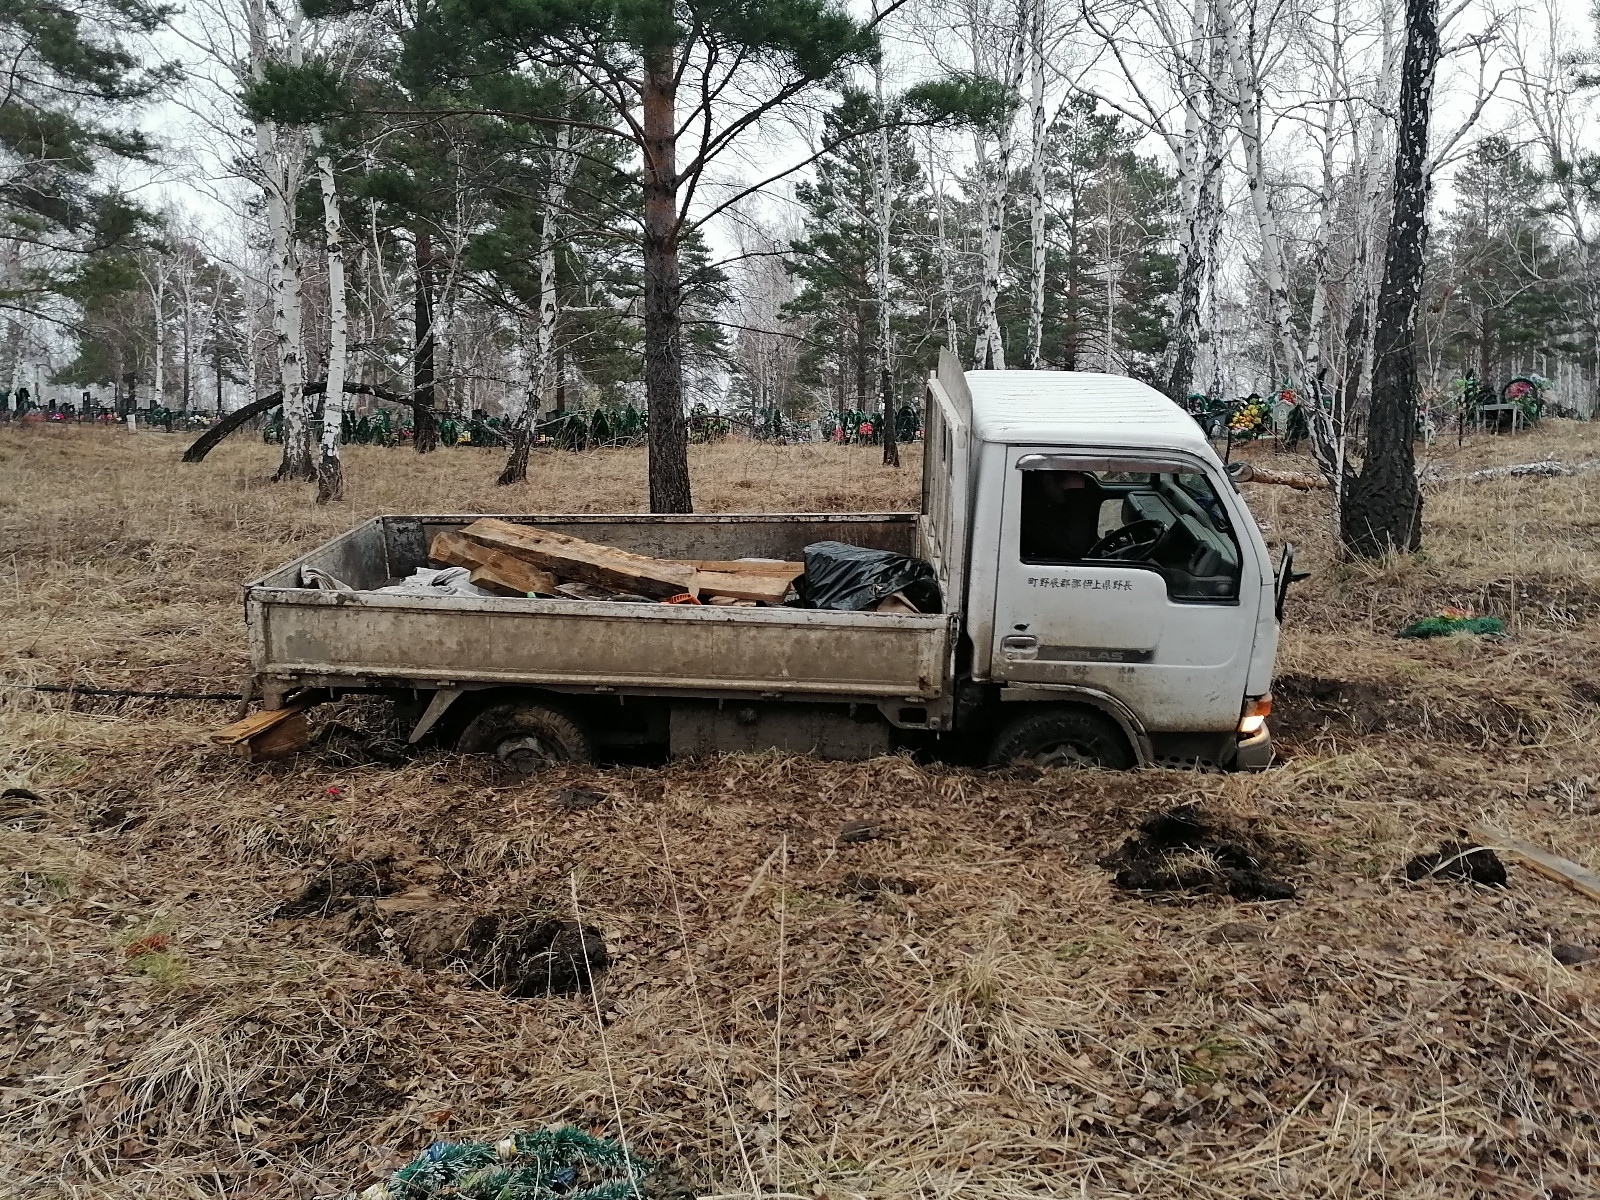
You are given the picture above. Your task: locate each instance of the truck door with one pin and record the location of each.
(1128, 575)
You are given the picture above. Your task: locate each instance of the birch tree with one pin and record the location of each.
(561, 166)
(1039, 250)
(157, 270)
(993, 171)
(1274, 267)
(1546, 90)
(280, 154)
(330, 469)
(1186, 49)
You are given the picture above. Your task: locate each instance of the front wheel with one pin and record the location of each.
(1072, 736)
(526, 736)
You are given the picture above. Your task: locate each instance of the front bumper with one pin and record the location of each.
(1254, 752)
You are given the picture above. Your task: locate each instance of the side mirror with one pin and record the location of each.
(1287, 575)
(1241, 472)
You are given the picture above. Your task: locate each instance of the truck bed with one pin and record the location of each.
(303, 637)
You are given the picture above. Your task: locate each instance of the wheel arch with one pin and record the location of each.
(1065, 695)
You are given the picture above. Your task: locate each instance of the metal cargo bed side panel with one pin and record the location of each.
(390, 547)
(430, 642)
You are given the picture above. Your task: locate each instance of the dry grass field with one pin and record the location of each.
(997, 1022)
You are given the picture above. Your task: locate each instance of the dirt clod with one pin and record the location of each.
(340, 886)
(1235, 932)
(867, 886)
(860, 831)
(1183, 850)
(1461, 861)
(577, 799)
(541, 957)
(524, 954)
(19, 809)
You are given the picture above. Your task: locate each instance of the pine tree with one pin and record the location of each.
(636, 56)
(70, 79)
(835, 260)
(1108, 219)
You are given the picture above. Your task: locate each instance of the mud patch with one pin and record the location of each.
(1543, 603)
(341, 886)
(1459, 861)
(1184, 850)
(1309, 704)
(866, 887)
(524, 954)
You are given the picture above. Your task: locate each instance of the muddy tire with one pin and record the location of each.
(1062, 737)
(526, 736)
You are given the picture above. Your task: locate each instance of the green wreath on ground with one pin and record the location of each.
(548, 1164)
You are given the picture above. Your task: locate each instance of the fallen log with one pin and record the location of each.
(1543, 469)
(212, 438)
(1243, 472)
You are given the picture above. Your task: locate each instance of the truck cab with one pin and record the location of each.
(1118, 599)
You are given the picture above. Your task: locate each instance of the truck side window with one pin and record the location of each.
(1060, 515)
(1171, 523)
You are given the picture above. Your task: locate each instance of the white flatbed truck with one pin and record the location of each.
(1108, 600)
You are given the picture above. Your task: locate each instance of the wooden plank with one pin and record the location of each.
(1552, 866)
(456, 551)
(735, 566)
(585, 562)
(520, 580)
(494, 570)
(281, 740)
(770, 589)
(253, 725)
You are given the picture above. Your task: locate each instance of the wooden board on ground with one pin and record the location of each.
(270, 733)
(1552, 866)
(585, 562)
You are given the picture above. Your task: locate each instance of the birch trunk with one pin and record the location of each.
(1373, 175)
(158, 301)
(989, 354)
(278, 155)
(1036, 191)
(1382, 509)
(330, 469)
(946, 287)
(1199, 160)
(1324, 423)
(1274, 273)
(562, 166)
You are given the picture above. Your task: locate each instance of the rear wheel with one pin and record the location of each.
(526, 736)
(1062, 737)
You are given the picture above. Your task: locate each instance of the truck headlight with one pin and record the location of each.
(1254, 718)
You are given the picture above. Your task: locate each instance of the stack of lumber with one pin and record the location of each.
(521, 560)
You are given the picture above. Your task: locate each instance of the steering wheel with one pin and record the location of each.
(1131, 542)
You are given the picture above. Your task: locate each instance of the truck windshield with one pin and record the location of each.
(1168, 521)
